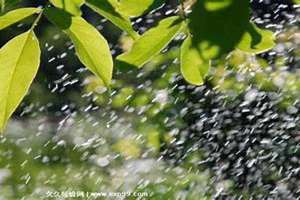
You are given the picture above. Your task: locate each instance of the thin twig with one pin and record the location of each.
(181, 9)
(2, 6)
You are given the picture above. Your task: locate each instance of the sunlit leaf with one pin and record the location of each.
(151, 42)
(217, 29)
(107, 10)
(19, 62)
(193, 68)
(71, 6)
(136, 7)
(91, 47)
(256, 40)
(15, 16)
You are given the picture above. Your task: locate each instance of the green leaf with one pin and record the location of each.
(15, 16)
(193, 68)
(218, 26)
(91, 47)
(256, 40)
(217, 4)
(10, 3)
(297, 1)
(107, 10)
(70, 6)
(19, 62)
(133, 8)
(152, 42)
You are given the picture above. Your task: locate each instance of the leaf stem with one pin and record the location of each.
(36, 21)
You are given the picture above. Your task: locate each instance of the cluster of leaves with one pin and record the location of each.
(212, 29)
